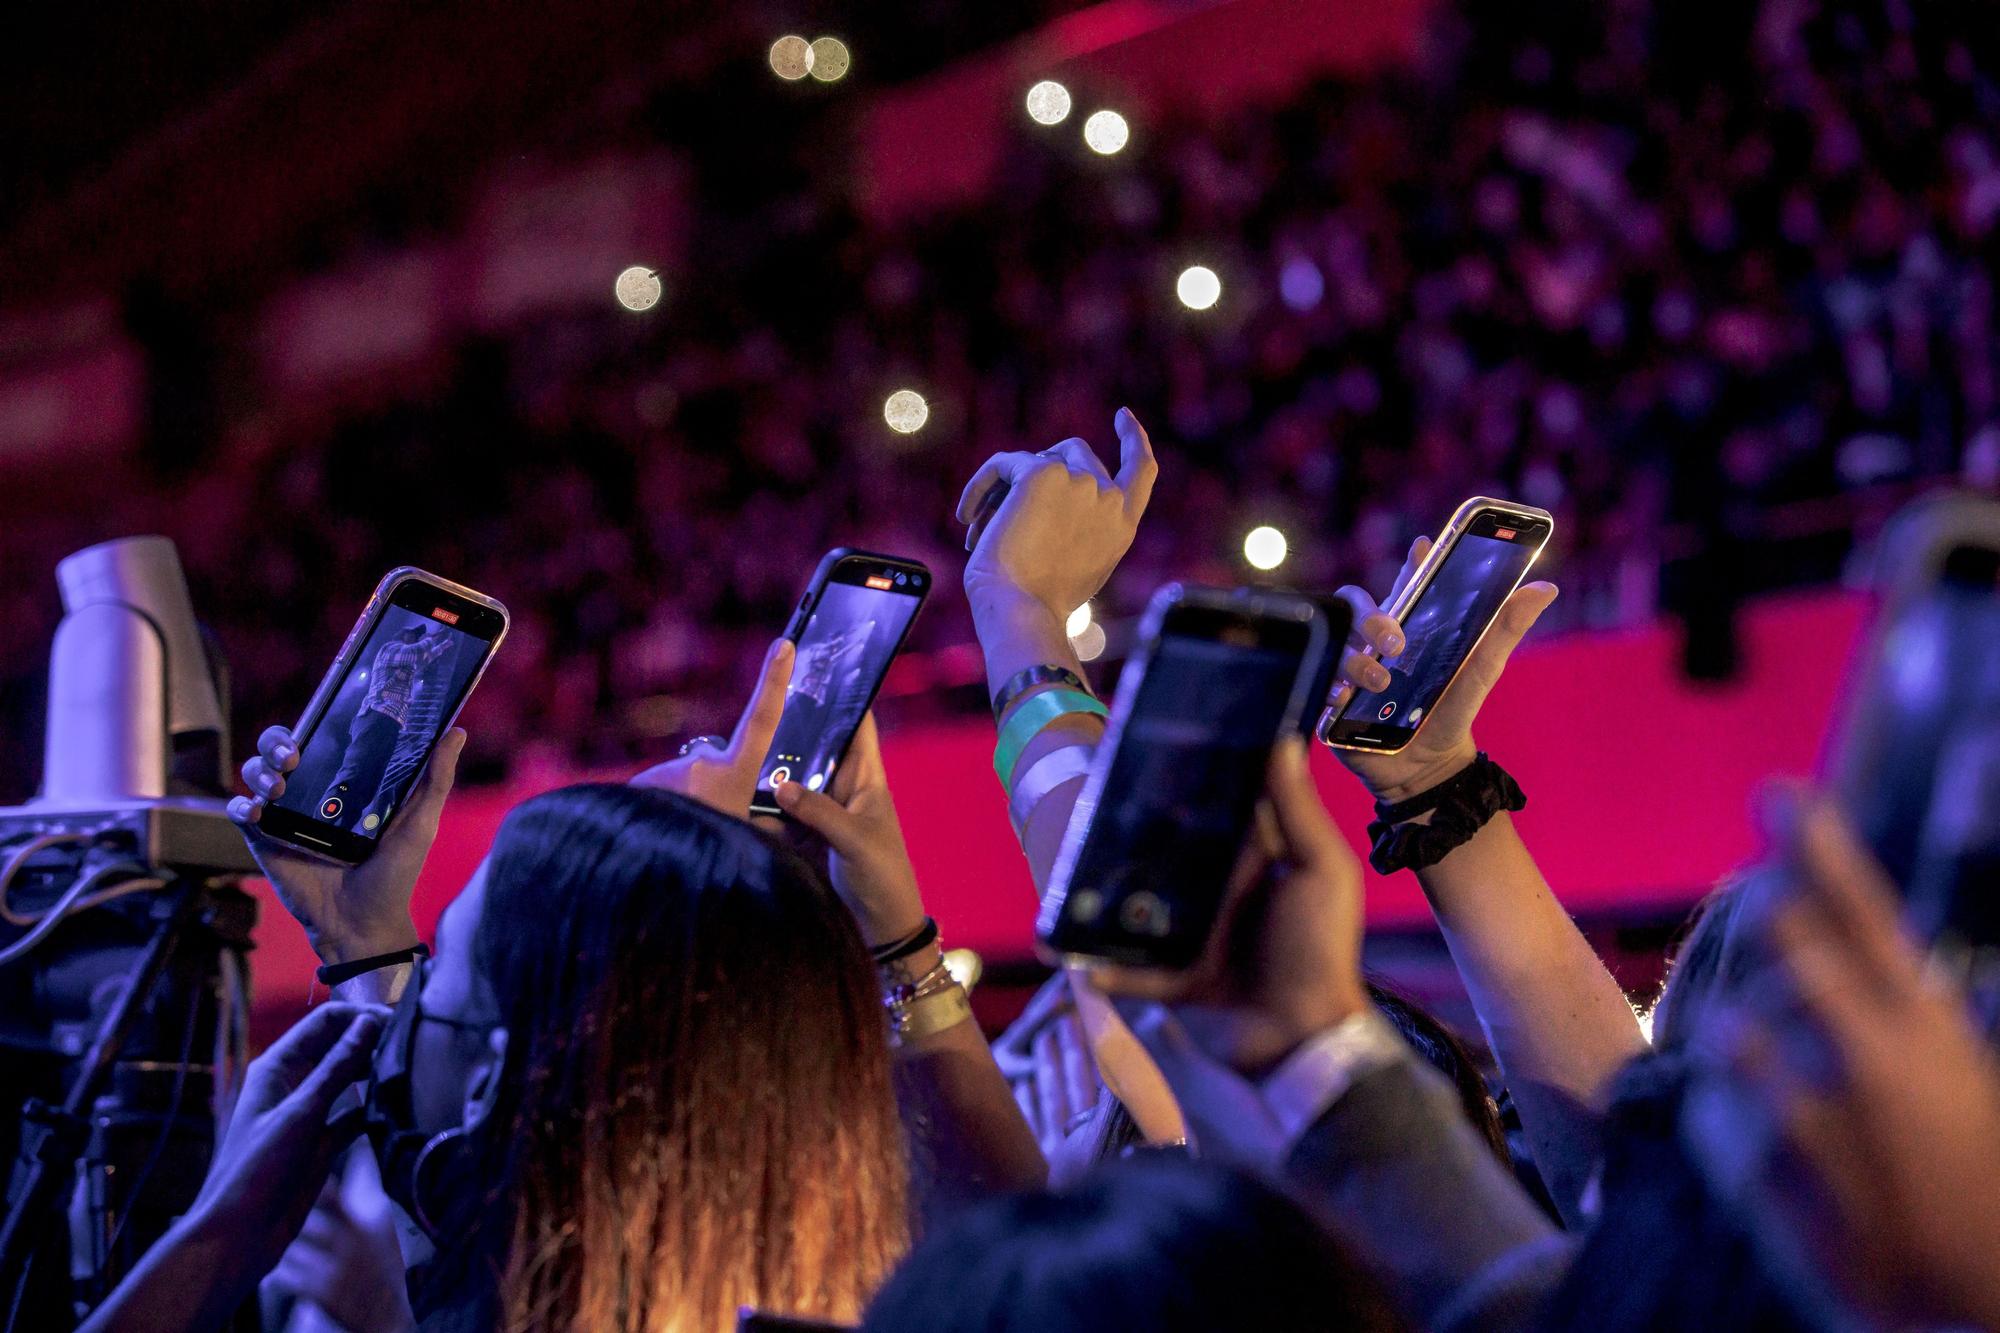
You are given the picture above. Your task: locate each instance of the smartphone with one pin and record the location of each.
(398, 682)
(1483, 554)
(1917, 761)
(848, 627)
(1218, 679)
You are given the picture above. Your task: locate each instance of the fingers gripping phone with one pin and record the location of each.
(396, 685)
(1917, 762)
(1450, 602)
(1219, 677)
(848, 627)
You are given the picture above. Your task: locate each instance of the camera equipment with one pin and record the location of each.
(123, 987)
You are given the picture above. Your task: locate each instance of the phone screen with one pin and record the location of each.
(856, 624)
(1478, 573)
(1165, 829)
(400, 692)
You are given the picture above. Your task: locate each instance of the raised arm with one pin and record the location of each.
(1045, 531)
(1557, 1021)
(971, 1136)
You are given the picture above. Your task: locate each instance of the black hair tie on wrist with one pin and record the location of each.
(332, 974)
(897, 951)
(1459, 807)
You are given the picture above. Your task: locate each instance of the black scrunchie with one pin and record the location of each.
(1460, 806)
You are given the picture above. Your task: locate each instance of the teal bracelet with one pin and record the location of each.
(1028, 721)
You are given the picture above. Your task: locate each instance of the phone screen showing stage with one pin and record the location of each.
(844, 651)
(401, 690)
(1170, 821)
(1440, 630)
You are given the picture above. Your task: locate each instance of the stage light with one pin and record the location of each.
(1265, 547)
(1089, 645)
(1198, 287)
(638, 288)
(906, 411)
(1048, 103)
(1106, 132)
(830, 59)
(791, 58)
(1300, 283)
(1079, 621)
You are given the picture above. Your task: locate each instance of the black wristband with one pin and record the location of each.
(1459, 807)
(1027, 678)
(897, 951)
(332, 974)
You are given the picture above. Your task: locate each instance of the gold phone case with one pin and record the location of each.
(1399, 606)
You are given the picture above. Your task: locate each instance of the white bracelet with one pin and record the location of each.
(1044, 776)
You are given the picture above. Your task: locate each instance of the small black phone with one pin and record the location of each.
(849, 627)
(395, 686)
(1218, 679)
(1917, 762)
(1483, 554)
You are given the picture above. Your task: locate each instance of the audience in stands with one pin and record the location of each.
(1672, 271)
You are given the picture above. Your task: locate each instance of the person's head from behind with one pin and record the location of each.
(1155, 1242)
(1708, 962)
(665, 1040)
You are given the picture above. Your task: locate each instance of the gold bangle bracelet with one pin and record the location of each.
(930, 1014)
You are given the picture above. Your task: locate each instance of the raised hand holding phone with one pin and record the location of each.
(720, 772)
(848, 628)
(348, 911)
(1448, 626)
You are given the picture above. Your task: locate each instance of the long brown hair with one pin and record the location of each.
(697, 1111)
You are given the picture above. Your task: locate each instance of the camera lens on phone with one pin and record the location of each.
(901, 579)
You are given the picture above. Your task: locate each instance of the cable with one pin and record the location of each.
(19, 859)
(77, 898)
(167, 1122)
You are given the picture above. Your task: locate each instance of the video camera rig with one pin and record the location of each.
(124, 989)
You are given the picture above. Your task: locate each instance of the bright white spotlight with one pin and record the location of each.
(791, 58)
(1079, 621)
(906, 411)
(1106, 132)
(638, 288)
(830, 59)
(1198, 287)
(1265, 547)
(1048, 103)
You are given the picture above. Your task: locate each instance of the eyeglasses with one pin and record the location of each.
(453, 1021)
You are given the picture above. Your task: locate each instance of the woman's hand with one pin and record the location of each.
(1062, 523)
(1284, 961)
(868, 863)
(346, 1262)
(1443, 744)
(724, 777)
(275, 1156)
(348, 911)
(1847, 1103)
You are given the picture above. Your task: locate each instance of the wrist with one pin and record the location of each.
(344, 944)
(1423, 776)
(1009, 607)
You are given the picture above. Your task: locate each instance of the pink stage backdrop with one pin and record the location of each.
(1638, 784)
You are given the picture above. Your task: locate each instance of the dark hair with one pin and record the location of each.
(1448, 1053)
(1156, 1242)
(696, 1110)
(1708, 960)
(1664, 1252)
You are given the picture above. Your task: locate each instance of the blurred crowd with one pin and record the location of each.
(1681, 274)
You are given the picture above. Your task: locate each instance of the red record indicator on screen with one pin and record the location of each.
(444, 614)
